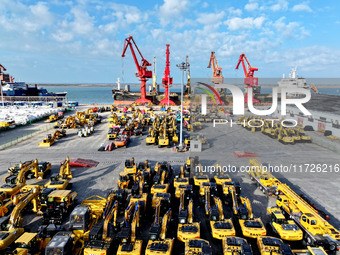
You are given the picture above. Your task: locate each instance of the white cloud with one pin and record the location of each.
(172, 9)
(281, 5)
(205, 5)
(83, 23)
(210, 18)
(234, 12)
(251, 6)
(246, 23)
(303, 7)
(290, 29)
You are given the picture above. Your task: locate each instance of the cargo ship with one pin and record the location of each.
(9, 88)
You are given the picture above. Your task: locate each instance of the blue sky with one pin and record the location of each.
(73, 41)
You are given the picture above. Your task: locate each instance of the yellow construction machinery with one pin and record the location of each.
(317, 231)
(260, 174)
(162, 247)
(101, 235)
(65, 243)
(157, 234)
(124, 180)
(130, 166)
(284, 137)
(181, 180)
(220, 227)
(61, 180)
(11, 225)
(197, 246)
(15, 183)
(152, 137)
(273, 246)
(86, 215)
(187, 229)
(27, 243)
(33, 166)
(163, 140)
(235, 245)
(59, 204)
(129, 243)
(303, 137)
(250, 226)
(285, 229)
(50, 139)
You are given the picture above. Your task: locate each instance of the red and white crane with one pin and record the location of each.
(142, 69)
(167, 80)
(249, 79)
(217, 77)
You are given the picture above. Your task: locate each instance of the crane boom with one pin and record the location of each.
(249, 79)
(167, 80)
(142, 73)
(217, 70)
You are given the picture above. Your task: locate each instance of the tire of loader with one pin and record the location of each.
(328, 132)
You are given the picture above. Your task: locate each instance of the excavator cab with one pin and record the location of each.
(80, 218)
(61, 244)
(124, 180)
(11, 180)
(27, 243)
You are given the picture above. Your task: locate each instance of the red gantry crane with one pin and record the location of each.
(217, 77)
(143, 72)
(167, 80)
(249, 79)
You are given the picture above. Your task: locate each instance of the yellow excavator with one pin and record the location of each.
(158, 243)
(251, 227)
(130, 166)
(181, 180)
(64, 243)
(152, 137)
(101, 235)
(86, 215)
(197, 246)
(220, 227)
(15, 183)
(61, 180)
(284, 137)
(187, 229)
(129, 243)
(35, 168)
(11, 225)
(163, 140)
(236, 245)
(272, 246)
(162, 187)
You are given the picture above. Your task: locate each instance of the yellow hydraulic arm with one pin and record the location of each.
(246, 202)
(113, 213)
(165, 222)
(218, 202)
(15, 219)
(65, 170)
(232, 191)
(135, 223)
(190, 211)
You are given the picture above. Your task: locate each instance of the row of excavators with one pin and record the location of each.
(157, 210)
(275, 130)
(52, 201)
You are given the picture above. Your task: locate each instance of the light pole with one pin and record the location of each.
(182, 66)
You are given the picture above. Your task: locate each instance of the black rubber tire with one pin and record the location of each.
(328, 132)
(308, 128)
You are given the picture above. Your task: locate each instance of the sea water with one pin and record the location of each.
(103, 95)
